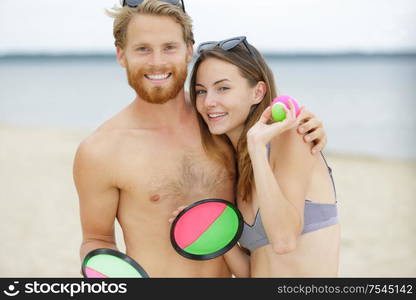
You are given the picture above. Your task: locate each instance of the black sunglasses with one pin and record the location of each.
(227, 44)
(135, 3)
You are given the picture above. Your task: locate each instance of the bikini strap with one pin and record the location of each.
(269, 145)
(330, 173)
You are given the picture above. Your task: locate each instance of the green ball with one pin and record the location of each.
(278, 113)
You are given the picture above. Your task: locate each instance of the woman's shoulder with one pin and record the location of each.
(289, 148)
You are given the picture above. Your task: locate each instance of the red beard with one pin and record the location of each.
(157, 94)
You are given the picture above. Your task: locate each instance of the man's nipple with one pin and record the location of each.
(154, 198)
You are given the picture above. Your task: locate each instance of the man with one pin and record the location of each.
(147, 160)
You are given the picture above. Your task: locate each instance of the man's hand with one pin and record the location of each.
(312, 130)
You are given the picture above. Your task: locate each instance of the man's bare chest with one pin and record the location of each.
(179, 174)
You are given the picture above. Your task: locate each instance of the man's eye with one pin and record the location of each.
(142, 49)
(170, 47)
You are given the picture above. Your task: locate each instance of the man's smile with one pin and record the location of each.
(158, 77)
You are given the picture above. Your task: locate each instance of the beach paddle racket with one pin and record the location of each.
(206, 229)
(109, 263)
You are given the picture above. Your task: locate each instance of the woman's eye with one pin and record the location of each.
(223, 88)
(200, 92)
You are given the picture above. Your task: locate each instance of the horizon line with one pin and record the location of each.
(269, 54)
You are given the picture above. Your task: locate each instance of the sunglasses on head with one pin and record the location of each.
(135, 3)
(226, 45)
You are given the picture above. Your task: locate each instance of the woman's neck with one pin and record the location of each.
(234, 135)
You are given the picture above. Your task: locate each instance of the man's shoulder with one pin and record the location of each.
(106, 134)
(95, 147)
(112, 139)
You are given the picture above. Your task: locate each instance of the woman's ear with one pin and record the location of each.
(259, 92)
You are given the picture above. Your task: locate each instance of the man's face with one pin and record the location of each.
(156, 57)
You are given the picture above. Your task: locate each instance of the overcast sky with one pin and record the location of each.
(271, 25)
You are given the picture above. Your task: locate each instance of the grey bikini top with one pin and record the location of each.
(316, 216)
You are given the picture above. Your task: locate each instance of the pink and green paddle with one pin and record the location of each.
(206, 229)
(109, 263)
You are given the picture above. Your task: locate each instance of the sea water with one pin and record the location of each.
(367, 103)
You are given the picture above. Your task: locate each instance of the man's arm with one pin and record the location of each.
(238, 261)
(98, 196)
(312, 130)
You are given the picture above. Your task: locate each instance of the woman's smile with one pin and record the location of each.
(216, 116)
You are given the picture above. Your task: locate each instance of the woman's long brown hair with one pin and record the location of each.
(253, 68)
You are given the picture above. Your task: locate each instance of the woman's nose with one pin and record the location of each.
(210, 100)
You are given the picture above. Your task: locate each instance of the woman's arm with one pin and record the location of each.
(280, 185)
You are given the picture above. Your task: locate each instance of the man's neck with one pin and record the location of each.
(170, 114)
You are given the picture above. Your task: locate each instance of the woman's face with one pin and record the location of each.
(223, 96)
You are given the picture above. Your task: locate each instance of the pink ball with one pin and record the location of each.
(285, 100)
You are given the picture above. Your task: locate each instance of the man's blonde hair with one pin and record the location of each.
(123, 15)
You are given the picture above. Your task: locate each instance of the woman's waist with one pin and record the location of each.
(307, 260)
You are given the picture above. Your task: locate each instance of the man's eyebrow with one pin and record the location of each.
(140, 45)
(171, 43)
(148, 45)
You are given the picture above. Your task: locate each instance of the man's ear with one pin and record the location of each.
(259, 92)
(121, 57)
(189, 52)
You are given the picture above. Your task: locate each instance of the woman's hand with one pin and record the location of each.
(262, 133)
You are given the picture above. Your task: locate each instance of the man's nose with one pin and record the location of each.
(157, 59)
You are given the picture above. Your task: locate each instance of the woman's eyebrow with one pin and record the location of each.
(215, 83)
(221, 80)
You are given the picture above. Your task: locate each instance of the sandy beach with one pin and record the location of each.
(40, 227)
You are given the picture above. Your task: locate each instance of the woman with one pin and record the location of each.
(285, 194)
